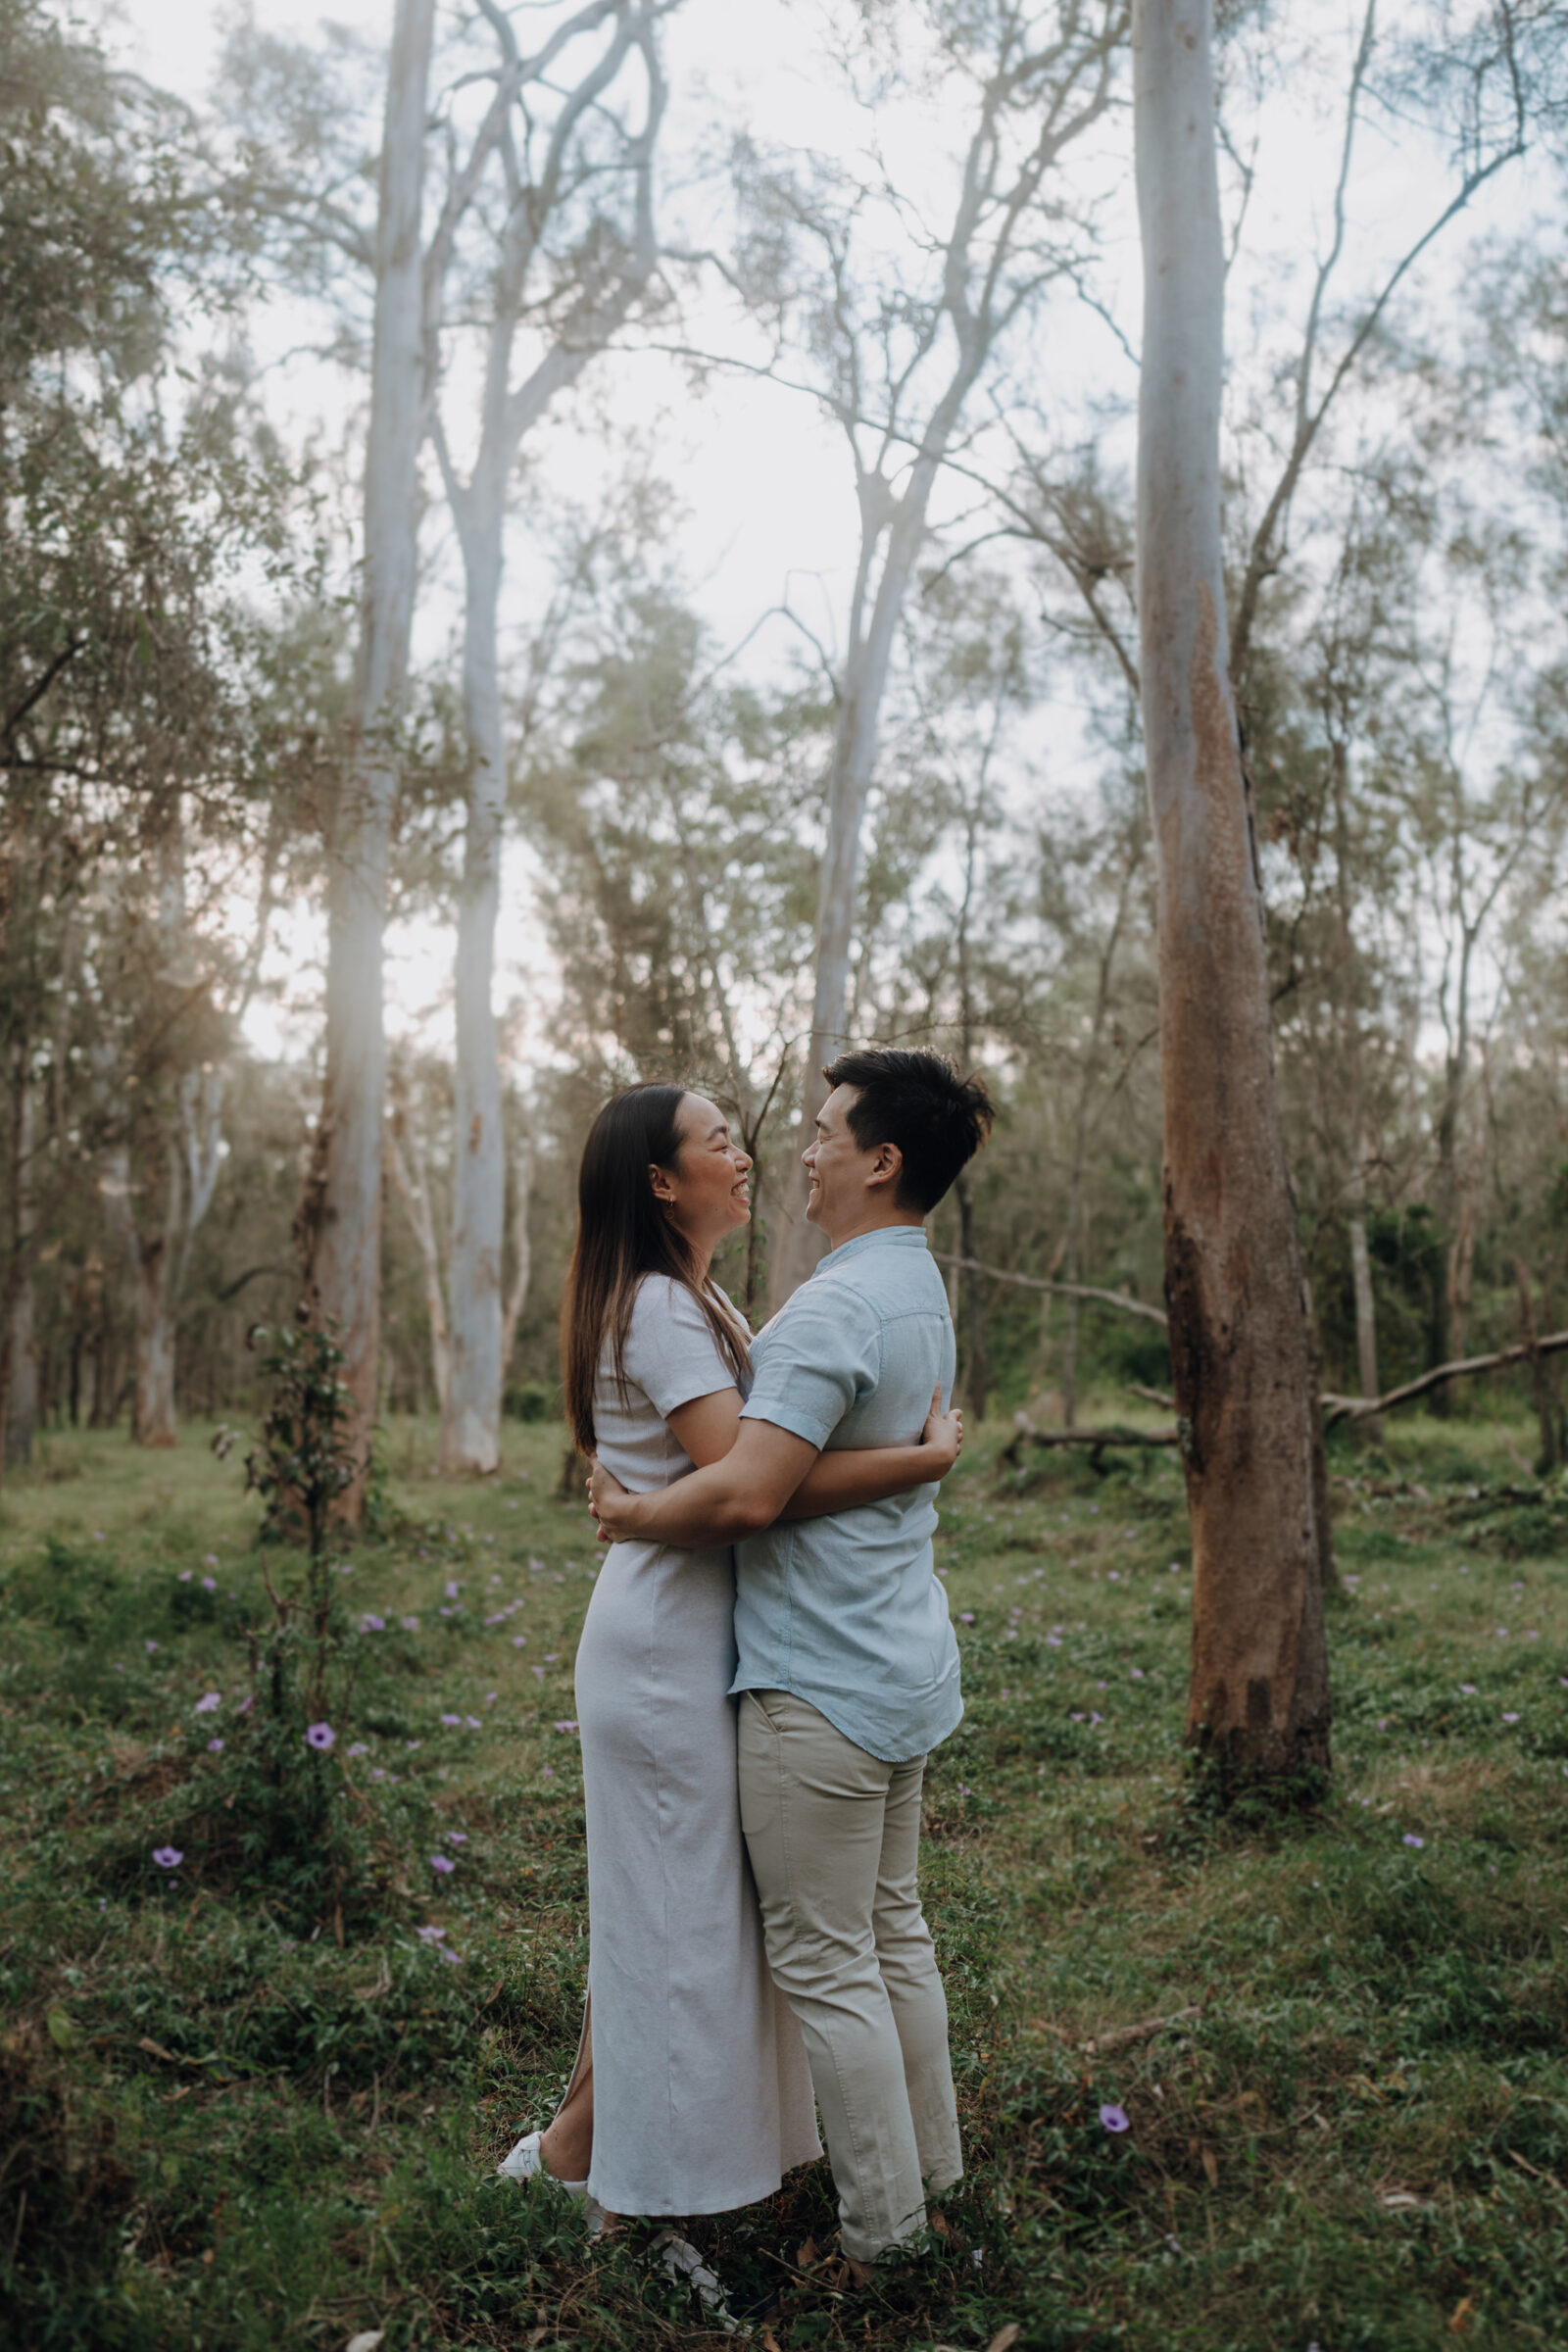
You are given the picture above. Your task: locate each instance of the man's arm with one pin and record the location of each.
(737, 1495)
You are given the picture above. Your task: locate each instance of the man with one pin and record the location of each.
(848, 1669)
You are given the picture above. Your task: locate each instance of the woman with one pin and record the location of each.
(691, 2093)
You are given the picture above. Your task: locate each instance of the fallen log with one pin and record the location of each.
(1096, 1439)
(1360, 1408)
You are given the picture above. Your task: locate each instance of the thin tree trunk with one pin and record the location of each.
(854, 761)
(522, 1253)
(155, 1345)
(1072, 1246)
(471, 1420)
(19, 1408)
(1543, 1383)
(972, 1322)
(1366, 1312)
(1447, 1183)
(1258, 1702)
(415, 1194)
(340, 1215)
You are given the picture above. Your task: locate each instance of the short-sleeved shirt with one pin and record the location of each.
(670, 1357)
(846, 1611)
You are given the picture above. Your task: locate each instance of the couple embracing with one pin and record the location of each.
(765, 1662)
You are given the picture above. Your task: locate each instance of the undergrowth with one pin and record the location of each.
(1272, 2075)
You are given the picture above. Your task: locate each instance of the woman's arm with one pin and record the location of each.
(702, 1509)
(840, 1481)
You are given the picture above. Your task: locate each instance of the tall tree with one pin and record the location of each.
(568, 246)
(1242, 1360)
(898, 375)
(340, 1213)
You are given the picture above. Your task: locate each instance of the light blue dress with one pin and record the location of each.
(701, 2093)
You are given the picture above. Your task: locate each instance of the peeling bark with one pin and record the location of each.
(1259, 1701)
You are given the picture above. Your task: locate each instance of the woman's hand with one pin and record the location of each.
(942, 1436)
(610, 1502)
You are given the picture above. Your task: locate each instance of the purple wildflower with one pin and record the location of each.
(411, 1624)
(567, 1726)
(209, 1702)
(209, 1584)
(151, 1647)
(1510, 1719)
(1411, 1838)
(457, 1836)
(429, 1934)
(1114, 2118)
(358, 1748)
(185, 1575)
(443, 1863)
(320, 1737)
(450, 1720)
(369, 1623)
(168, 1857)
(215, 1747)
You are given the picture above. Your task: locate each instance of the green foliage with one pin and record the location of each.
(1350, 2125)
(303, 1462)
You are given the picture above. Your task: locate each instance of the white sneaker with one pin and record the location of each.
(680, 2259)
(525, 2163)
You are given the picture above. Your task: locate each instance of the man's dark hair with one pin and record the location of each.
(919, 1101)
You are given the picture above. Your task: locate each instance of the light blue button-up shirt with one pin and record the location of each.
(846, 1611)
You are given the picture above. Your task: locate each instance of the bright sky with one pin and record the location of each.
(762, 475)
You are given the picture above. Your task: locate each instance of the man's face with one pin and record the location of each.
(845, 1180)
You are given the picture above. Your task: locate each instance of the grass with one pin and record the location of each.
(223, 2131)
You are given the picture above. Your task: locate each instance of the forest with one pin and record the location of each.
(550, 546)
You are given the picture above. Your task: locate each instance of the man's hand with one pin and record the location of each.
(610, 1505)
(943, 1434)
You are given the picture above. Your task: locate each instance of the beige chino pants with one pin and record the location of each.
(833, 1835)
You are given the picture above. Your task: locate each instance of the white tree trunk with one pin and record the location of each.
(1241, 1353)
(798, 1246)
(522, 1253)
(340, 1215)
(415, 1194)
(470, 1421)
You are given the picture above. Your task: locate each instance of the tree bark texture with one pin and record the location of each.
(1258, 1702)
(340, 1215)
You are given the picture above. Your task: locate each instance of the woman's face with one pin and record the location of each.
(706, 1193)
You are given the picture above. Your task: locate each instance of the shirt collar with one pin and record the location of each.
(885, 1237)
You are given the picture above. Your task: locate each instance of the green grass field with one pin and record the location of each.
(221, 2129)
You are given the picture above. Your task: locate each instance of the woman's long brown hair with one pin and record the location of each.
(624, 1234)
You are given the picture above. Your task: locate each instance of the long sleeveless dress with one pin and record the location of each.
(701, 2093)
